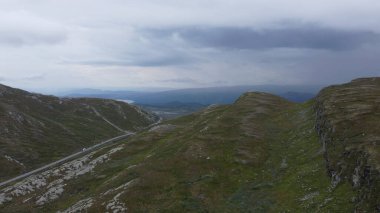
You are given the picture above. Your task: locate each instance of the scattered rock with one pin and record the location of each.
(309, 196)
(80, 206)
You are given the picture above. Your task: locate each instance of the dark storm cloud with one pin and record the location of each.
(301, 37)
(161, 62)
(153, 62)
(79, 43)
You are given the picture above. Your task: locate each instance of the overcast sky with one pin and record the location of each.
(58, 44)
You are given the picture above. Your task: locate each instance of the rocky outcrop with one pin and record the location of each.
(347, 124)
(53, 181)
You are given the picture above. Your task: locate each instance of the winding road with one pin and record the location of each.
(67, 158)
(84, 151)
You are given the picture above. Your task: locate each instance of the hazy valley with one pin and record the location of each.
(219, 106)
(261, 153)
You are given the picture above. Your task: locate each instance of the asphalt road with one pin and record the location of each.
(75, 155)
(70, 157)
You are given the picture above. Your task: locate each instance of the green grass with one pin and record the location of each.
(222, 169)
(260, 154)
(38, 129)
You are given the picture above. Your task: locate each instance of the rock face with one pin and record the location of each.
(347, 121)
(36, 129)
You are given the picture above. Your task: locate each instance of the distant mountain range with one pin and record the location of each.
(204, 96)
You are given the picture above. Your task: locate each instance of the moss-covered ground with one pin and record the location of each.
(260, 154)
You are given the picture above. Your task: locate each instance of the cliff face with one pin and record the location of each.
(348, 123)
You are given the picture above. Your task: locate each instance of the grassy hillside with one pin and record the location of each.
(260, 154)
(36, 129)
(349, 128)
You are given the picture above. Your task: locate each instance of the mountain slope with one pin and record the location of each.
(348, 118)
(36, 129)
(260, 154)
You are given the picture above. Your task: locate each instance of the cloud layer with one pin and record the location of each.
(299, 37)
(19, 28)
(66, 44)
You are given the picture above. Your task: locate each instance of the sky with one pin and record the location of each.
(48, 45)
